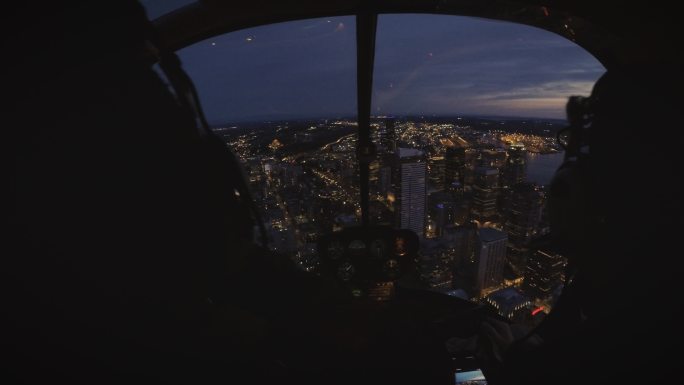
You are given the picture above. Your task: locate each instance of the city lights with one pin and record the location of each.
(460, 184)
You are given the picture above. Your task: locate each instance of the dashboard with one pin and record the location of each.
(370, 262)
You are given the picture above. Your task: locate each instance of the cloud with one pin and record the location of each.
(548, 90)
(497, 76)
(308, 67)
(545, 100)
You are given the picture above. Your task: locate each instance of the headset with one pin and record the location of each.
(575, 210)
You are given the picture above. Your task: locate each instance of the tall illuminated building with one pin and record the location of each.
(495, 158)
(544, 273)
(522, 213)
(385, 179)
(491, 256)
(436, 265)
(454, 169)
(463, 243)
(463, 240)
(388, 138)
(515, 167)
(374, 169)
(485, 194)
(410, 190)
(436, 170)
(442, 210)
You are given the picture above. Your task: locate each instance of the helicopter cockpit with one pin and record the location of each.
(329, 189)
(397, 154)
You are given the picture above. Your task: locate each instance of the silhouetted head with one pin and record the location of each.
(609, 201)
(576, 214)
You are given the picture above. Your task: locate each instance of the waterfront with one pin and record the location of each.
(541, 167)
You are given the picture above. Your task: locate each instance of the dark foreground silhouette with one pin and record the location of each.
(132, 258)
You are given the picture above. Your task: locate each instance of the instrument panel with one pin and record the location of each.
(369, 261)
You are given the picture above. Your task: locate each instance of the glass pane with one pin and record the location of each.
(284, 98)
(471, 107)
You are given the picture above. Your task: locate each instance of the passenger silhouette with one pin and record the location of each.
(135, 258)
(601, 329)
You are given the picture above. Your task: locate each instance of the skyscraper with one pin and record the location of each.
(454, 169)
(441, 209)
(523, 208)
(436, 264)
(464, 242)
(490, 259)
(544, 273)
(485, 192)
(436, 170)
(388, 135)
(515, 167)
(410, 188)
(374, 168)
(492, 158)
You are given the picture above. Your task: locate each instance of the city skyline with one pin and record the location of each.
(471, 209)
(462, 186)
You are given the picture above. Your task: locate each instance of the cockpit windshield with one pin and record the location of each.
(464, 117)
(157, 8)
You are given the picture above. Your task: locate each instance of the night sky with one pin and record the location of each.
(424, 65)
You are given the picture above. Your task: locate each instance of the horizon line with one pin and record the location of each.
(264, 119)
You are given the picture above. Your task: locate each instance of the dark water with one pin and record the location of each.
(541, 167)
